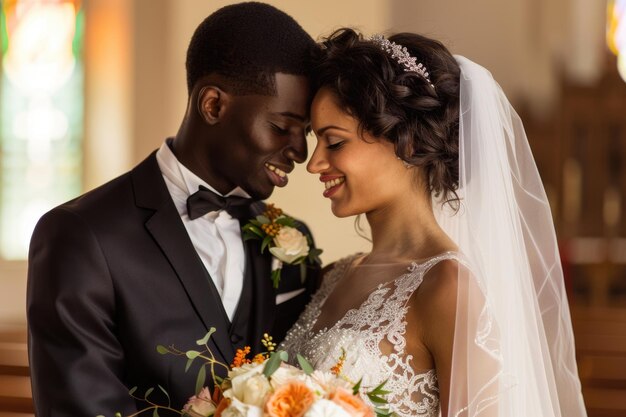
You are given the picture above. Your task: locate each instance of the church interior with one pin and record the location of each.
(116, 89)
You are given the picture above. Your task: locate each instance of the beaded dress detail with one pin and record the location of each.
(373, 338)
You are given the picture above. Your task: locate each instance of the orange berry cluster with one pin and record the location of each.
(336, 370)
(259, 358)
(271, 229)
(240, 357)
(272, 212)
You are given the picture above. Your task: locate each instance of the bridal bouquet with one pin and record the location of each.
(266, 386)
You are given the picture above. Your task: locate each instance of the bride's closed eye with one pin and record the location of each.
(332, 145)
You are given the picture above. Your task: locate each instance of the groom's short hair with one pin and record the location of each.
(248, 43)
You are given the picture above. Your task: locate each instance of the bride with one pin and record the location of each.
(460, 304)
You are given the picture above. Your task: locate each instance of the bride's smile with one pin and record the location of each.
(357, 169)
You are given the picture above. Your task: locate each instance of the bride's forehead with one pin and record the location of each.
(326, 109)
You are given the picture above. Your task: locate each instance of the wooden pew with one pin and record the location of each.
(15, 391)
(600, 334)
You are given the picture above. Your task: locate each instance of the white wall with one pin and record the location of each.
(136, 89)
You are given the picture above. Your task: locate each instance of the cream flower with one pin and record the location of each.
(238, 409)
(286, 373)
(328, 381)
(290, 245)
(251, 368)
(253, 391)
(248, 384)
(200, 405)
(326, 408)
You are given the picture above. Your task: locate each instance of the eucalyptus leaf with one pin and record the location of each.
(201, 379)
(206, 337)
(148, 392)
(272, 364)
(169, 402)
(304, 364)
(192, 354)
(155, 413)
(188, 365)
(162, 350)
(132, 390)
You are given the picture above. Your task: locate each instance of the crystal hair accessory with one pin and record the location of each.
(402, 56)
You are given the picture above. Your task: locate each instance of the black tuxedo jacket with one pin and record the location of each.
(112, 274)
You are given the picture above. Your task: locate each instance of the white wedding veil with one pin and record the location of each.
(513, 342)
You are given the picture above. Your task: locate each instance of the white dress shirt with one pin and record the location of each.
(216, 236)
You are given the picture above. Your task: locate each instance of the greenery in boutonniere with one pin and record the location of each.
(278, 233)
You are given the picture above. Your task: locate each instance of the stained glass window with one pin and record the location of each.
(616, 32)
(41, 114)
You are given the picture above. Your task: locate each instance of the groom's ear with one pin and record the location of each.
(212, 101)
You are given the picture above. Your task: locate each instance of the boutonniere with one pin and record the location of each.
(286, 243)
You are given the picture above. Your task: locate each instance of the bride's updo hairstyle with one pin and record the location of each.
(420, 119)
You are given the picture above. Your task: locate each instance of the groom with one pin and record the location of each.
(150, 258)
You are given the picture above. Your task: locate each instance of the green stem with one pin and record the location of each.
(156, 407)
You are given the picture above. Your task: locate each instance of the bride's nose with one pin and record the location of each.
(318, 162)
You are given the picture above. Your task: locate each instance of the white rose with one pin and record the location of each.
(329, 381)
(251, 368)
(238, 409)
(286, 373)
(238, 378)
(253, 391)
(326, 408)
(290, 245)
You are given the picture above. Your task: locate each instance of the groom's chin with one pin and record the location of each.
(259, 191)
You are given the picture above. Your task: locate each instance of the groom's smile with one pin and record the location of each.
(277, 175)
(253, 140)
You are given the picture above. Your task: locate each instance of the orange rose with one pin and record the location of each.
(221, 406)
(290, 400)
(353, 404)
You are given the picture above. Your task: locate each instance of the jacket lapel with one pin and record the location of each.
(256, 310)
(170, 234)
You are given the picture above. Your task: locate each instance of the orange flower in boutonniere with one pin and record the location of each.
(279, 233)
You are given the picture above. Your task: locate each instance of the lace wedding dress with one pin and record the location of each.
(373, 339)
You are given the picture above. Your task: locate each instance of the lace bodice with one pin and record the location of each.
(373, 338)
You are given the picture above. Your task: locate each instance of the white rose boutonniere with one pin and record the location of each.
(291, 244)
(279, 234)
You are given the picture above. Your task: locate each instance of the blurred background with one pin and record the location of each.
(88, 88)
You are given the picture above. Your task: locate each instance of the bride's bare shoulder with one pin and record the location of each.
(435, 301)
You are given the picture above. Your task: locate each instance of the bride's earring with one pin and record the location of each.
(405, 163)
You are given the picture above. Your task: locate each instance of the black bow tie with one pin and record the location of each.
(205, 201)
